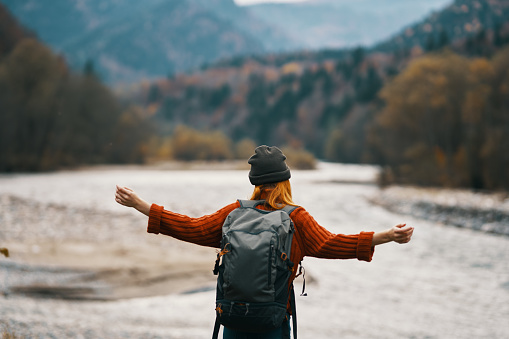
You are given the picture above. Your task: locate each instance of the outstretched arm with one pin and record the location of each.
(127, 197)
(399, 233)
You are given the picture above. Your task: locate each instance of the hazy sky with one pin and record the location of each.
(250, 2)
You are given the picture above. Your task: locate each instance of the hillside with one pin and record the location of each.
(323, 24)
(66, 20)
(460, 20)
(129, 40)
(328, 102)
(11, 32)
(174, 36)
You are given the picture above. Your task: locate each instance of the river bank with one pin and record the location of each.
(480, 211)
(83, 266)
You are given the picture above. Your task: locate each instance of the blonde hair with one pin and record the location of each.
(278, 195)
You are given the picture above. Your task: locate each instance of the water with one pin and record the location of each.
(447, 283)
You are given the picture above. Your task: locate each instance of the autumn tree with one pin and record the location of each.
(421, 124)
(444, 122)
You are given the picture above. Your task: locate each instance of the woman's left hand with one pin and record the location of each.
(401, 233)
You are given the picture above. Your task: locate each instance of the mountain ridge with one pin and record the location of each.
(109, 33)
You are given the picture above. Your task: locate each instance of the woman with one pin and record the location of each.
(270, 175)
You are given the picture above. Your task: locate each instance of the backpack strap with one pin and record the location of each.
(253, 203)
(217, 325)
(293, 306)
(250, 203)
(289, 209)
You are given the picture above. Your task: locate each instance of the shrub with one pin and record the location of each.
(244, 149)
(299, 158)
(189, 144)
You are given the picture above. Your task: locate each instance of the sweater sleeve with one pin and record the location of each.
(318, 242)
(205, 231)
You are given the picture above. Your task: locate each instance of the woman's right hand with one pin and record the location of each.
(126, 196)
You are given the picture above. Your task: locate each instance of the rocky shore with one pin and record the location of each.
(480, 211)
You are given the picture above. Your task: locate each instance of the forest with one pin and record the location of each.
(430, 115)
(52, 117)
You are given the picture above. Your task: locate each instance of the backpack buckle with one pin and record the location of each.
(219, 310)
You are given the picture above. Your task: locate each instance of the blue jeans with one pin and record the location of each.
(274, 334)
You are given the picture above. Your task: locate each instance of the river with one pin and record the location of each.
(448, 282)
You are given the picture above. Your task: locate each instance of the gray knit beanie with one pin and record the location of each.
(268, 166)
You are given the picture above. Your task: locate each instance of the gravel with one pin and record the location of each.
(448, 282)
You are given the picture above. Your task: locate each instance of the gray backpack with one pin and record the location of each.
(252, 285)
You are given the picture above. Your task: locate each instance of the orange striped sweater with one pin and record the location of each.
(310, 238)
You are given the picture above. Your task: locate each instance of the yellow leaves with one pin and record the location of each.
(501, 69)
(299, 158)
(474, 106)
(481, 73)
(481, 69)
(291, 68)
(244, 148)
(190, 144)
(153, 108)
(431, 85)
(445, 122)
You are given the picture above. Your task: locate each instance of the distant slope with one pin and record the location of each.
(339, 23)
(462, 19)
(65, 20)
(323, 100)
(459, 24)
(11, 32)
(273, 37)
(174, 36)
(129, 39)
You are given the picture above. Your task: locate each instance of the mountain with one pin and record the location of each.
(131, 40)
(172, 37)
(322, 24)
(128, 40)
(60, 21)
(11, 32)
(324, 100)
(458, 21)
(273, 37)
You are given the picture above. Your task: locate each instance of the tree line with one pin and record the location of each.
(53, 118)
(435, 117)
(445, 123)
(344, 109)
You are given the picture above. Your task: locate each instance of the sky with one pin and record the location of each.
(251, 2)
